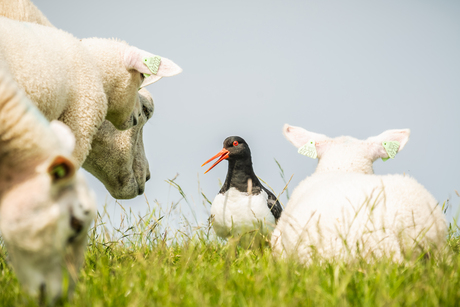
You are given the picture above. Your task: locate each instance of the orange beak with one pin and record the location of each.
(224, 153)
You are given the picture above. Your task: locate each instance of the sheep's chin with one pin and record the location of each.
(127, 188)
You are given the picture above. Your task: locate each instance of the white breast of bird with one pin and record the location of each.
(236, 213)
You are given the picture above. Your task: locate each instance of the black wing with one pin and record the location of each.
(273, 204)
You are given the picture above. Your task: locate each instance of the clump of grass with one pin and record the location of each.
(143, 261)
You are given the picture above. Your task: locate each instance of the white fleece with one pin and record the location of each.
(343, 210)
(58, 74)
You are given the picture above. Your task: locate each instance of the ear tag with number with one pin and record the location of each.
(153, 63)
(309, 150)
(391, 147)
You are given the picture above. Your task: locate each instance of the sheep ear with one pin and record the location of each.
(300, 137)
(388, 143)
(149, 64)
(64, 135)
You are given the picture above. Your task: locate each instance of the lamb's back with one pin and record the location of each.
(330, 207)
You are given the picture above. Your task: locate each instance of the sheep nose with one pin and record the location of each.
(147, 178)
(134, 121)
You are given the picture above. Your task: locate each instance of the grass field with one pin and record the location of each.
(142, 262)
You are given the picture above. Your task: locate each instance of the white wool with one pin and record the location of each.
(57, 73)
(43, 219)
(344, 210)
(236, 213)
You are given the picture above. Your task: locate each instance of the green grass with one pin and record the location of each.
(144, 266)
(143, 262)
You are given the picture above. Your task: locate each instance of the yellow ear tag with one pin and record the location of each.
(391, 147)
(153, 63)
(309, 150)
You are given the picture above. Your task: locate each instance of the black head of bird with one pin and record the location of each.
(235, 148)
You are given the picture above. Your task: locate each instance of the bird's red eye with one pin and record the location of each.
(235, 143)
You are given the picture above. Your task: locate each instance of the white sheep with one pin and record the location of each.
(117, 158)
(45, 210)
(79, 82)
(343, 210)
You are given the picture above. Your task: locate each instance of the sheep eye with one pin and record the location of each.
(235, 143)
(59, 171)
(146, 111)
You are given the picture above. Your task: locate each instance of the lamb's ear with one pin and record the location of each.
(299, 137)
(64, 135)
(389, 137)
(150, 64)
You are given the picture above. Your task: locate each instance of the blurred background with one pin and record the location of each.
(334, 67)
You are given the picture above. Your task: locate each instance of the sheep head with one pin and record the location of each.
(125, 173)
(346, 154)
(45, 210)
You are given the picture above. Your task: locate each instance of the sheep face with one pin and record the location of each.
(346, 154)
(44, 221)
(125, 173)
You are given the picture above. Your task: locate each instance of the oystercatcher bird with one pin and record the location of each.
(243, 204)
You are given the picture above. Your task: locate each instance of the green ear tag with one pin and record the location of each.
(309, 150)
(153, 63)
(146, 75)
(391, 147)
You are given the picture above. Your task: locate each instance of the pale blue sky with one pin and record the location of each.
(333, 67)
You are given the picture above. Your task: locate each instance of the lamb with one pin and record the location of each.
(125, 173)
(344, 211)
(45, 209)
(79, 82)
